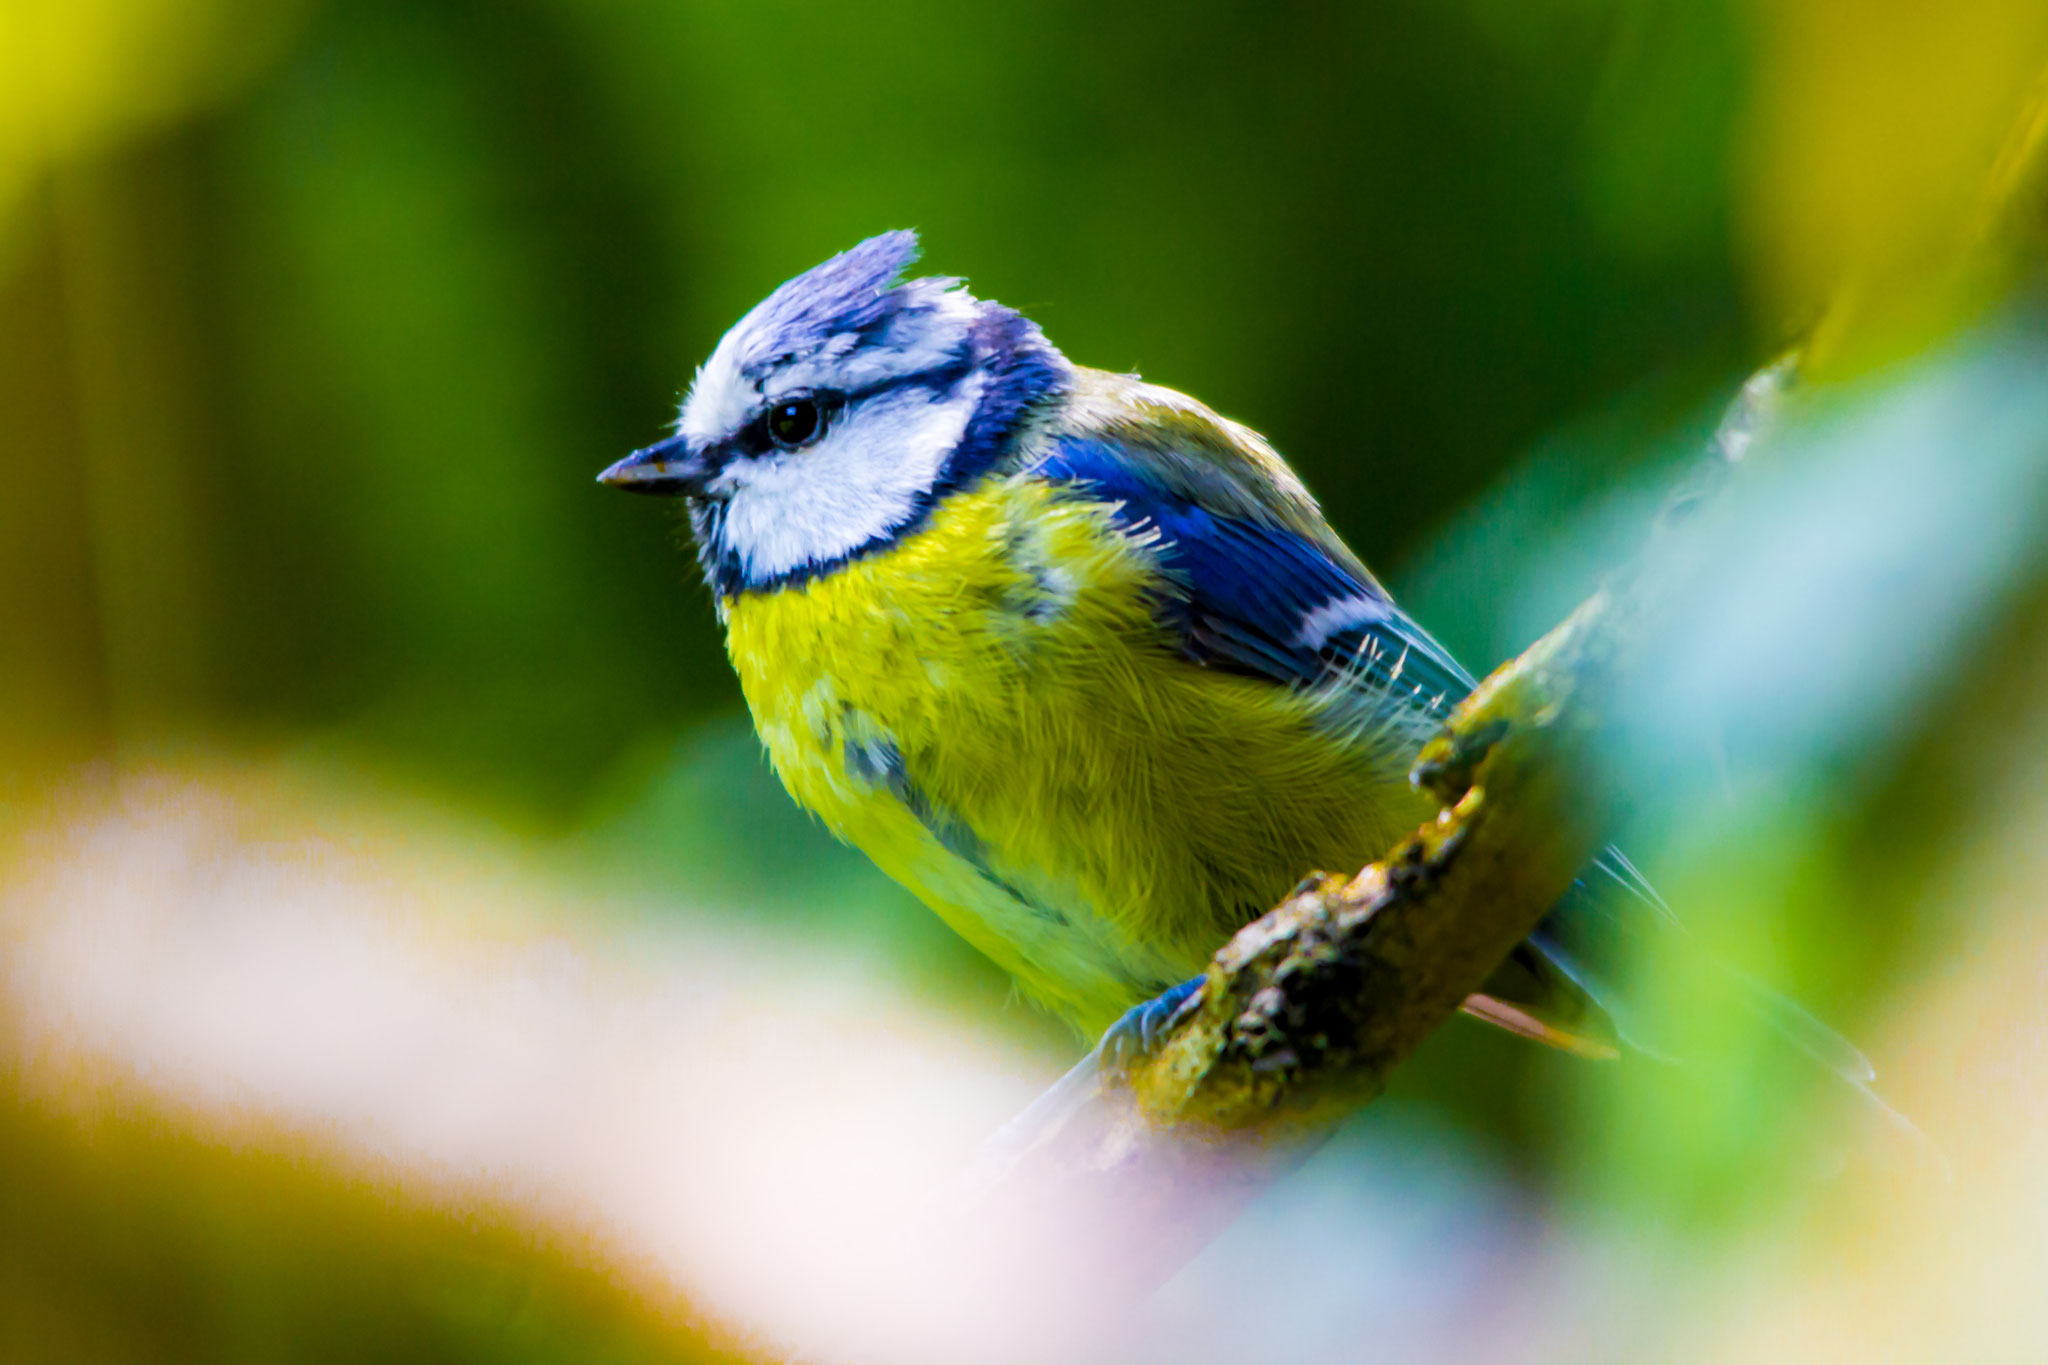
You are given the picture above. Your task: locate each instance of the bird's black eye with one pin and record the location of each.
(795, 421)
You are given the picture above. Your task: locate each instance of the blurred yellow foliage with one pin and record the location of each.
(1872, 132)
(76, 76)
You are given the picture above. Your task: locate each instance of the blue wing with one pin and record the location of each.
(1257, 598)
(1260, 599)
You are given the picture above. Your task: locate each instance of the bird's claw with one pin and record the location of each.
(1143, 1027)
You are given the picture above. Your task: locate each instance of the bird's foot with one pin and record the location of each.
(1141, 1029)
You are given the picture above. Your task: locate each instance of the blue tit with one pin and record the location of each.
(1073, 658)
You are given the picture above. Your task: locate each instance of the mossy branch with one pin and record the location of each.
(1306, 1012)
(1318, 1001)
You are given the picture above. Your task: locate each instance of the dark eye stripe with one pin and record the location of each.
(755, 438)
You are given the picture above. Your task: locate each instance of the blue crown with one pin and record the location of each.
(857, 292)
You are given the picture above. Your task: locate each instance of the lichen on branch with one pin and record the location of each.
(1315, 1003)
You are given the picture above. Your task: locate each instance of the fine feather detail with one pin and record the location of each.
(1248, 592)
(929, 386)
(871, 475)
(991, 545)
(1523, 1023)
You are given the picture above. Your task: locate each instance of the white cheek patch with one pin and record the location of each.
(721, 399)
(866, 480)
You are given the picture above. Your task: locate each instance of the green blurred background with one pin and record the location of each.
(317, 319)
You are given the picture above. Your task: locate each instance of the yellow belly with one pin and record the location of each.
(1089, 809)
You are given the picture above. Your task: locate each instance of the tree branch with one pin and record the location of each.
(1306, 1012)
(1319, 1000)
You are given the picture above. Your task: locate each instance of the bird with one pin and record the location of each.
(1077, 660)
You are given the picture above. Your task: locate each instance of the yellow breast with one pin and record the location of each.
(990, 711)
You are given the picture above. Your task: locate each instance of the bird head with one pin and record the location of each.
(833, 416)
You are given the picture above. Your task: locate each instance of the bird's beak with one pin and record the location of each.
(671, 469)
